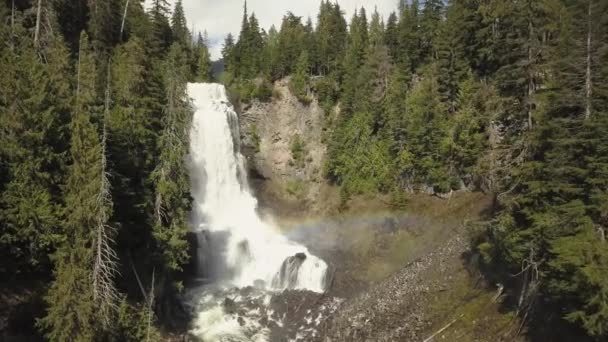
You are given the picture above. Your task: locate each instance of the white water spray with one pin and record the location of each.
(237, 247)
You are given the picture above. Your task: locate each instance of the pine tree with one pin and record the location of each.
(172, 202)
(132, 126)
(179, 27)
(410, 52)
(454, 40)
(376, 30)
(229, 55)
(425, 129)
(353, 60)
(161, 34)
(291, 43)
(35, 107)
(104, 25)
(81, 299)
(331, 37)
(429, 23)
(391, 37)
(300, 79)
(203, 57)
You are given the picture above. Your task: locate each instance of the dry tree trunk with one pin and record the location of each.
(38, 18)
(78, 74)
(602, 232)
(530, 70)
(105, 264)
(150, 303)
(124, 17)
(13, 17)
(588, 84)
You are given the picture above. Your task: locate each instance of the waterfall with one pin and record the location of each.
(236, 246)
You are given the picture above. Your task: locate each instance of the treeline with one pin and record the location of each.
(94, 193)
(508, 97)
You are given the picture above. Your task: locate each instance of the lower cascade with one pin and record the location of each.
(240, 256)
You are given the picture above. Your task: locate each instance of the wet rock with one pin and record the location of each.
(394, 309)
(246, 291)
(287, 277)
(264, 320)
(229, 306)
(259, 284)
(301, 256)
(241, 321)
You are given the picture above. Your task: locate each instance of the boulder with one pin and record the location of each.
(229, 306)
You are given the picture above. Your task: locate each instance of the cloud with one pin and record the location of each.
(220, 17)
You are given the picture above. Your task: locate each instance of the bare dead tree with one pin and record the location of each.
(13, 18)
(588, 82)
(601, 230)
(124, 17)
(105, 263)
(531, 85)
(38, 18)
(78, 73)
(529, 270)
(150, 303)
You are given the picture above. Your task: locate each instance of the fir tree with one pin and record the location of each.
(203, 57)
(79, 306)
(179, 27)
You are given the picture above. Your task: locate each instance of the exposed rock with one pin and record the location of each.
(267, 132)
(259, 284)
(301, 256)
(393, 310)
(229, 306)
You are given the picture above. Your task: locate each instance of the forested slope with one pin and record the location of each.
(505, 97)
(94, 123)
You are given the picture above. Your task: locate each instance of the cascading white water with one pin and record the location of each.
(252, 249)
(236, 248)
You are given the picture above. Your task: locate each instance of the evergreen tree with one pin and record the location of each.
(35, 114)
(376, 30)
(203, 57)
(179, 27)
(291, 43)
(331, 37)
(429, 23)
(131, 124)
(300, 79)
(104, 25)
(161, 33)
(391, 36)
(172, 202)
(353, 60)
(79, 306)
(409, 37)
(229, 56)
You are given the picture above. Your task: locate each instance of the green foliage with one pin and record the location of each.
(296, 189)
(34, 102)
(505, 96)
(135, 323)
(255, 137)
(298, 151)
(173, 201)
(299, 81)
(203, 68)
(80, 137)
(247, 91)
(73, 302)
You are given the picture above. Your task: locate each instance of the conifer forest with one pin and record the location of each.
(508, 98)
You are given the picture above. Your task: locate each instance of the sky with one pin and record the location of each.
(220, 17)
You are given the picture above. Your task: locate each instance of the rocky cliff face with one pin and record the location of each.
(283, 143)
